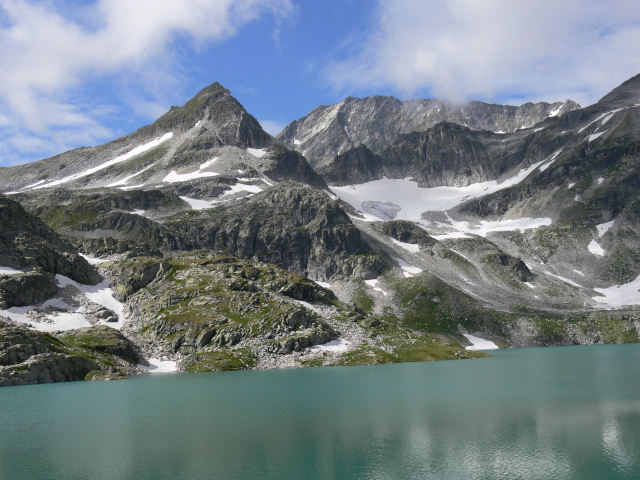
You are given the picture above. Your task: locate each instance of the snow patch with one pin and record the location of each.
(408, 270)
(241, 187)
(604, 227)
(457, 252)
(208, 163)
(9, 271)
(296, 141)
(196, 204)
(126, 179)
(451, 235)
(257, 152)
(595, 248)
(596, 135)
(554, 113)
(530, 285)
(160, 366)
(571, 185)
(487, 226)
(599, 118)
(93, 260)
(136, 151)
(175, 177)
(338, 345)
(618, 296)
(479, 343)
(138, 212)
(600, 180)
(374, 284)
(565, 280)
(33, 184)
(324, 284)
(579, 272)
(549, 161)
(54, 321)
(411, 247)
(131, 187)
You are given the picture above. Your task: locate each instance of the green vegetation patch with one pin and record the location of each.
(220, 361)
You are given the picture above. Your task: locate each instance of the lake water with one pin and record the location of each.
(540, 413)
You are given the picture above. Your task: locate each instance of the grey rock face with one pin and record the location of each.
(376, 122)
(407, 232)
(26, 242)
(358, 165)
(26, 289)
(298, 228)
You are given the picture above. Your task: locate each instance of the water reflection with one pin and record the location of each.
(530, 414)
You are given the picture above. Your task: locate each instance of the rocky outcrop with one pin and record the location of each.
(130, 276)
(512, 264)
(47, 368)
(300, 229)
(407, 232)
(29, 288)
(352, 167)
(26, 242)
(206, 302)
(28, 357)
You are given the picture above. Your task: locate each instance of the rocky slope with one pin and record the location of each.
(377, 121)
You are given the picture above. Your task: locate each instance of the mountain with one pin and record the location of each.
(210, 143)
(560, 199)
(377, 121)
(219, 247)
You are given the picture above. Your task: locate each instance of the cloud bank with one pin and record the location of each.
(496, 50)
(49, 56)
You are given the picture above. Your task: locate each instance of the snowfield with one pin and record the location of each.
(403, 199)
(618, 296)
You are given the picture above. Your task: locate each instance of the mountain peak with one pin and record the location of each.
(626, 95)
(222, 119)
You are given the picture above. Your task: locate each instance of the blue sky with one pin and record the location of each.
(75, 73)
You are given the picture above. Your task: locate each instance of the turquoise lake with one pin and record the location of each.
(539, 413)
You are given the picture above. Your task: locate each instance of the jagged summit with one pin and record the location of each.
(223, 119)
(377, 121)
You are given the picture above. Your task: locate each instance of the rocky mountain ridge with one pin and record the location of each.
(219, 247)
(376, 122)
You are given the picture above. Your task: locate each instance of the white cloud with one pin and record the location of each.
(496, 49)
(47, 55)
